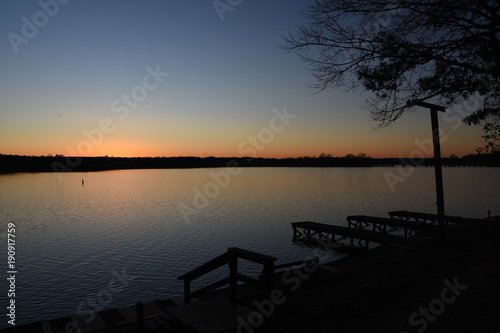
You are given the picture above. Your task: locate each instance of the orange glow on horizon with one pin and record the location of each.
(293, 143)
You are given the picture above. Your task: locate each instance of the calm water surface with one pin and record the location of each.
(150, 226)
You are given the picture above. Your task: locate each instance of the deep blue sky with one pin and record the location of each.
(225, 78)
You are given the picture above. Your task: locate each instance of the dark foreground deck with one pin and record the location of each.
(208, 316)
(155, 318)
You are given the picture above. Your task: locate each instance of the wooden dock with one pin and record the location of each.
(220, 309)
(310, 230)
(148, 317)
(386, 225)
(430, 219)
(211, 309)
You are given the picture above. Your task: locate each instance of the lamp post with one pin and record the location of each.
(437, 164)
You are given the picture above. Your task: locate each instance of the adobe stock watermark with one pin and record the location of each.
(416, 157)
(420, 319)
(292, 279)
(223, 6)
(121, 107)
(248, 148)
(104, 297)
(97, 302)
(30, 27)
(425, 147)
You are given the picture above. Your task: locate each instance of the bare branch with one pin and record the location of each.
(406, 49)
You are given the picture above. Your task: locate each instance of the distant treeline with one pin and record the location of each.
(59, 163)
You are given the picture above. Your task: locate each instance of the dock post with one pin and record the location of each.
(187, 292)
(139, 308)
(233, 278)
(316, 271)
(268, 275)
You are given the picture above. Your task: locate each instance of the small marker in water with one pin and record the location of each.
(83, 182)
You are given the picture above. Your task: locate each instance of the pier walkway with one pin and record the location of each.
(384, 224)
(308, 230)
(431, 219)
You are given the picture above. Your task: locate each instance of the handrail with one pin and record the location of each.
(295, 263)
(251, 256)
(206, 267)
(249, 280)
(210, 287)
(231, 258)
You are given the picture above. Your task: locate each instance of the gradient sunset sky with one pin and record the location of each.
(226, 74)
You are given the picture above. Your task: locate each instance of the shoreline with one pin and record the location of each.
(59, 163)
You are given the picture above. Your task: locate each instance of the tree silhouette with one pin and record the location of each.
(436, 50)
(489, 118)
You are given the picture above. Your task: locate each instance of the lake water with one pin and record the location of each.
(150, 226)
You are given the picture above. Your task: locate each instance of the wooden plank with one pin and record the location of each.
(128, 313)
(81, 322)
(360, 234)
(178, 300)
(384, 221)
(151, 309)
(211, 316)
(155, 314)
(111, 316)
(46, 327)
(165, 303)
(433, 218)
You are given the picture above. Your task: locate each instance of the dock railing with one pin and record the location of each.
(231, 259)
(312, 263)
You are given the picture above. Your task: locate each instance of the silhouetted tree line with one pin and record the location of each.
(60, 163)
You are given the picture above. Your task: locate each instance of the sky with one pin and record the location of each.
(184, 78)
